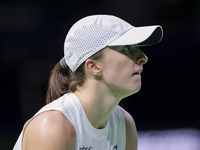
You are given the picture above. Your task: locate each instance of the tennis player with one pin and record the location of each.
(102, 64)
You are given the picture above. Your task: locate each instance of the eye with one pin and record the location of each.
(127, 48)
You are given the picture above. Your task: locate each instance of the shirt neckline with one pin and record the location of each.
(88, 126)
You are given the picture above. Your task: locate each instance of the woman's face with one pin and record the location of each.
(121, 68)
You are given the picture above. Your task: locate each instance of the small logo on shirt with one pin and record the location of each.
(85, 148)
(90, 148)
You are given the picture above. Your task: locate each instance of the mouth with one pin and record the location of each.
(137, 72)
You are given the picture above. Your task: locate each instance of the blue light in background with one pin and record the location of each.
(179, 139)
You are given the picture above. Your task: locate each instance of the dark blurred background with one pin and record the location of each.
(32, 34)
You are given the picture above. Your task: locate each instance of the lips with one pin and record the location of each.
(137, 72)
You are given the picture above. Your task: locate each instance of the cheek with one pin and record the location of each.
(117, 68)
(116, 74)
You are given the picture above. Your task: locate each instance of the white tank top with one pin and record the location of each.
(112, 137)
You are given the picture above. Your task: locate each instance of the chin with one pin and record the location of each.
(131, 92)
(136, 90)
(128, 91)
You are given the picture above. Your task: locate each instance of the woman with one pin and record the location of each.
(102, 64)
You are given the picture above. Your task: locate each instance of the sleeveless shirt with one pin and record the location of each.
(111, 137)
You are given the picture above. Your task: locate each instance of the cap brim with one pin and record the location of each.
(142, 36)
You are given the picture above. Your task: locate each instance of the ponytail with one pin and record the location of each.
(62, 80)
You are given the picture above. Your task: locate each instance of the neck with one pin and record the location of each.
(97, 103)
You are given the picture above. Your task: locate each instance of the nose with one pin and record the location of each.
(142, 59)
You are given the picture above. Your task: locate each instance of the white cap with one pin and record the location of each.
(93, 33)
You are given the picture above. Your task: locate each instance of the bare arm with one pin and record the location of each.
(131, 131)
(50, 130)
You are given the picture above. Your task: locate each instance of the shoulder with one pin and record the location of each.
(49, 130)
(131, 131)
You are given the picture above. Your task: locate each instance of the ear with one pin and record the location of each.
(92, 67)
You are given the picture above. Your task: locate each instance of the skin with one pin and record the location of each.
(114, 77)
